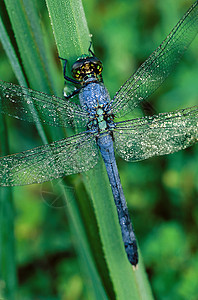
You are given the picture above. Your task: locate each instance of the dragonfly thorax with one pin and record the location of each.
(95, 99)
(87, 67)
(101, 119)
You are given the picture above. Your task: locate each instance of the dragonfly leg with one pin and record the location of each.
(73, 93)
(93, 54)
(89, 49)
(69, 79)
(64, 72)
(101, 79)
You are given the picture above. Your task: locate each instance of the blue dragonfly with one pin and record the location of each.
(134, 140)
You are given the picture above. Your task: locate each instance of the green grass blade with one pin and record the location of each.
(127, 283)
(75, 42)
(8, 274)
(76, 39)
(19, 33)
(28, 34)
(70, 28)
(72, 37)
(5, 40)
(9, 49)
(77, 227)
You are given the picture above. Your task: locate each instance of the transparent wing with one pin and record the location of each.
(71, 155)
(158, 66)
(157, 135)
(28, 105)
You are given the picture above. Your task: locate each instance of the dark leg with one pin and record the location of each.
(73, 94)
(90, 51)
(101, 79)
(64, 72)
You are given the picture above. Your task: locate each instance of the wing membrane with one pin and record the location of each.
(157, 135)
(67, 156)
(28, 105)
(158, 66)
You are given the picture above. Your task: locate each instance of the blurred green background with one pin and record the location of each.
(161, 192)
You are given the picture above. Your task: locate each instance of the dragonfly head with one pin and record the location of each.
(86, 67)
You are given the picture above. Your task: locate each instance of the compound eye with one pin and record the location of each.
(77, 69)
(99, 69)
(85, 66)
(96, 65)
(77, 74)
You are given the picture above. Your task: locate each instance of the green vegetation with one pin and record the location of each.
(63, 253)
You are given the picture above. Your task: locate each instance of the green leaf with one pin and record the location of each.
(29, 37)
(73, 39)
(8, 274)
(70, 28)
(124, 280)
(27, 28)
(128, 284)
(9, 49)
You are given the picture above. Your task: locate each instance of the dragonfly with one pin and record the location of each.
(134, 140)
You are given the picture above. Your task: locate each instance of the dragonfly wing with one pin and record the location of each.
(157, 135)
(71, 155)
(28, 105)
(158, 66)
